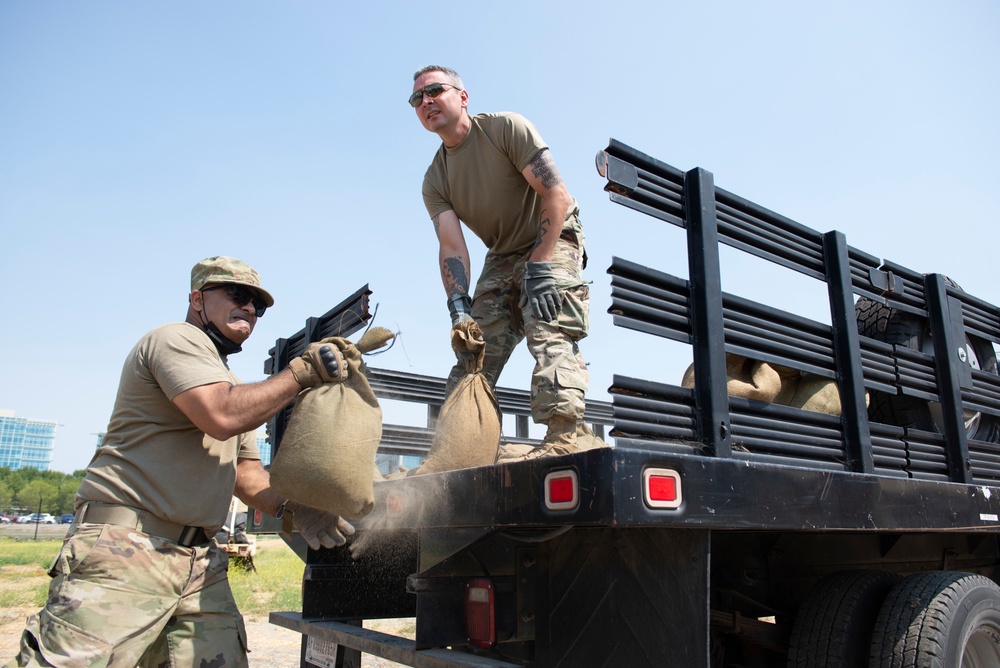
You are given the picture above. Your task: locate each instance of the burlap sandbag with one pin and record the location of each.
(327, 455)
(467, 433)
(762, 381)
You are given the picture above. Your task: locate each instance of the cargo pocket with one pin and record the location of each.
(574, 316)
(75, 550)
(62, 644)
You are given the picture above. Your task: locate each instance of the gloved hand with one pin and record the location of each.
(539, 290)
(322, 362)
(318, 527)
(460, 307)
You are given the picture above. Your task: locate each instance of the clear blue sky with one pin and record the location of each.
(138, 138)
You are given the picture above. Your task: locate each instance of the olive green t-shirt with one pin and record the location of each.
(481, 181)
(153, 457)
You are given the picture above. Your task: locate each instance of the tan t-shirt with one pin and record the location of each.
(481, 180)
(153, 457)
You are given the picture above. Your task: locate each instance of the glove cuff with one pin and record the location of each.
(303, 373)
(459, 304)
(537, 269)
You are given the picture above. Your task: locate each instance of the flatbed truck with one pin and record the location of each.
(718, 531)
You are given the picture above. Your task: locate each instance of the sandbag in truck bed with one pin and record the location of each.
(327, 454)
(467, 432)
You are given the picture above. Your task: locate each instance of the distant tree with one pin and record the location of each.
(67, 494)
(29, 496)
(5, 495)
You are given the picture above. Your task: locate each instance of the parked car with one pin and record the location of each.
(40, 518)
(4, 519)
(66, 518)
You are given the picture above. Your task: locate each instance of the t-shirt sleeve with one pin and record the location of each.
(435, 186)
(434, 201)
(521, 140)
(248, 446)
(180, 358)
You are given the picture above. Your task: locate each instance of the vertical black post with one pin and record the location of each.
(847, 355)
(705, 302)
(952, 367)
(279, 420)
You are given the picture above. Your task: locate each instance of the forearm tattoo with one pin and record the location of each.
(543, 225)
(455, 278)
(543, 167)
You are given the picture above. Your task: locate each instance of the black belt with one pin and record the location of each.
(134, 518)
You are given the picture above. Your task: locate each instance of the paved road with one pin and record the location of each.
(28, 530)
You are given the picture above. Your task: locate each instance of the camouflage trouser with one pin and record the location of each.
(560, 378)
(120, 597)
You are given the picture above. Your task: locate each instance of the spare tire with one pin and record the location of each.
(880, 322)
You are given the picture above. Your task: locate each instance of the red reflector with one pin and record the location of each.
(258, 518)
(480, 623)
(661, 488)
(562, 490)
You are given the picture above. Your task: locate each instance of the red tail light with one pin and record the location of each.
(480, 622)
(562, 490)
(661, 488)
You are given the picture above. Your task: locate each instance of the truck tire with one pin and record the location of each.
(833, 627)
(938, 620)
(883, 323)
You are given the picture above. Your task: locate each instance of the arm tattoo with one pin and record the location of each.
(543, 225)
(454, 275)
(543, 167)
(437, 226)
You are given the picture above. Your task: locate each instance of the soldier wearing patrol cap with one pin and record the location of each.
(139, 580)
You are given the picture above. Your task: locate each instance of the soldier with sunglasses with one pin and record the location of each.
(495, 174)
(139, 580)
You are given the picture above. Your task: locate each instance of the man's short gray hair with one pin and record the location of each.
(447, 71)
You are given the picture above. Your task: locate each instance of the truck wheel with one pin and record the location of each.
(882, 323)
(833, 627)
(939, 620)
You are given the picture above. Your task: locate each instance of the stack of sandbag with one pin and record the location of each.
(467, 432)
(327, 454)
(763, 381)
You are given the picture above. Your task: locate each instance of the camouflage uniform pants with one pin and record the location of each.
(121, 597)
(560, 377)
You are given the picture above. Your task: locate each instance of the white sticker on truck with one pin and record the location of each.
(988, 517)
(320, 652)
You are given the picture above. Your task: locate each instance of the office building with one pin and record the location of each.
(25, 443)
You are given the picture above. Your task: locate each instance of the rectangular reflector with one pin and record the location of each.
(661, 488)
(562, 490)
(480, 623)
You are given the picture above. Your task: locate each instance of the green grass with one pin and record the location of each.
(276, 585)
(24, 581)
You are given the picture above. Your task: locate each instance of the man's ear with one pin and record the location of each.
(197, 300)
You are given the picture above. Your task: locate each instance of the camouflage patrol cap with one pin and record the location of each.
(223, 269)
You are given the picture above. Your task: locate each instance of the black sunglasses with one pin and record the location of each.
(430, 90)
(241, 296)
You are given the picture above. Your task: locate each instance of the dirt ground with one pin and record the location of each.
(270, 646)
(275, 646)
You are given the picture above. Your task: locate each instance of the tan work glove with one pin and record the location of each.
(322, 362)
(317, 527)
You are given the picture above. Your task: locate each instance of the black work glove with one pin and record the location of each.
(460, 307)
(539, 291)
(322, 362)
